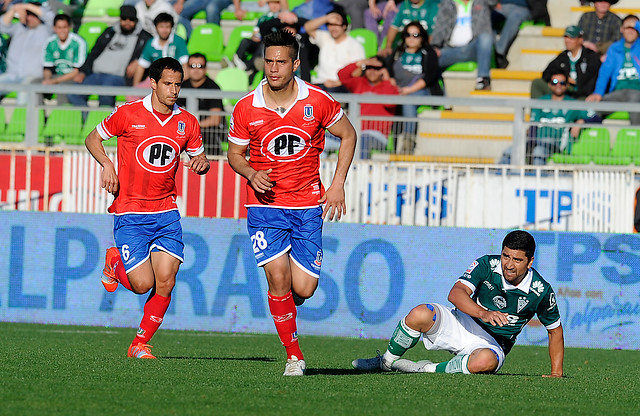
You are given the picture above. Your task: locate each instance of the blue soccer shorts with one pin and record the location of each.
(276, 231)
(137, 235)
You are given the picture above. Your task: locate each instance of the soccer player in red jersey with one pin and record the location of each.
(152, 133)
(283, 123)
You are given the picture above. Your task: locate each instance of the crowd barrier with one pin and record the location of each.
(372, 275)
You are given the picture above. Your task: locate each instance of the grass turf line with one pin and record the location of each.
(70, 370)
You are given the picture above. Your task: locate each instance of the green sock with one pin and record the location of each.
(402, 339)
(457, 364)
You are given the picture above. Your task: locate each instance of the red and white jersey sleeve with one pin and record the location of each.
(149, 154)
(290, 144)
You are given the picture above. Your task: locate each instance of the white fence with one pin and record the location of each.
(555, 198)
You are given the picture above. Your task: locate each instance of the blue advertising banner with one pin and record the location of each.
(372, 275)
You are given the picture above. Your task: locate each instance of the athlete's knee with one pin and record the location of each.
(483, 360)
(140, 287)
(421, 318)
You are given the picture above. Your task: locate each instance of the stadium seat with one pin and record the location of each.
(207, 39)
(62, 126)
(232, 79)
(257, 78)
(2, 121)
(469, 66)
(593, 142)
(625, 149)
(182, 31)
(366, 38)
(235, 37)
(102, 8)
(93, 119)
(16, 128)
(90, 31)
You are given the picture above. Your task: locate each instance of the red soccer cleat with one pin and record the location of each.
(108, 273)
(140, 350)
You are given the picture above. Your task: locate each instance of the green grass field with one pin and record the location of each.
(70, 370)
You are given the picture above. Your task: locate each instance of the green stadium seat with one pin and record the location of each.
(625, 149)
(257, 79)
(16, 128)
(182, 31)
(90, 31)
(102, 8)
(3, 123)
(592, 143)
(207, 39)
(367, 39)
(62, 126)
(618, 115)
(93, 119)
(463, 66)
(235, 37)
(232, 79)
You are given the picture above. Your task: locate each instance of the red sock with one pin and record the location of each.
(283, 311)
(121, 273)
(154, 311)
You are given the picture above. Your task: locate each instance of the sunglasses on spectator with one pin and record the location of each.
(411, 35)
(194, 66)
(129, 18)
(377, 68)
(556, 82)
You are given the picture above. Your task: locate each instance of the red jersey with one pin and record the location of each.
(149, 154)
(289, 143)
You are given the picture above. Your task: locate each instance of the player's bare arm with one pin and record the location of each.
(108, 177)
(460, 296)
(333, 198)
(259, 179)
(198, 164)
(556, 352)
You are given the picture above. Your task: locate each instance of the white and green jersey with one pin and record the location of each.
(175, 47)
(533, 296)
(64, 57)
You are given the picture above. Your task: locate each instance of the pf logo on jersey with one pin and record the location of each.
(158, 154)
(286, 144)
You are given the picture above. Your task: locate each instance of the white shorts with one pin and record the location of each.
(459, 334)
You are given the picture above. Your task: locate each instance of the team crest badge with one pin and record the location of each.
(318, 260)
(181, 127)
(308, 112)
(522, 303)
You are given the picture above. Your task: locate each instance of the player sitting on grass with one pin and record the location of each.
(494, 299)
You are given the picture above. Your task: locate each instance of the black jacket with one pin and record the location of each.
(587, 68)
(102, 42)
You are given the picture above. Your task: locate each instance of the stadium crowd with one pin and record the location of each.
(415, 41)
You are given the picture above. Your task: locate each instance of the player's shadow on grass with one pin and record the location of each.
(263, 359)
(332, 372)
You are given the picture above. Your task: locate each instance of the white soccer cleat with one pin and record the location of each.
(371, 364)
(294, 367)
(407, 366)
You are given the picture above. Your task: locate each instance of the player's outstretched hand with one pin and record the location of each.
(334, 206)
(494, 318)
(198, 164)
(109, 179)
(260, 181)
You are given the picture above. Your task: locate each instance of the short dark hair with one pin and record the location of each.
(163, 18)
(198, 55)
(283, 38)
(520, 240)
(630, 16)
(159, 65)
(62, 16)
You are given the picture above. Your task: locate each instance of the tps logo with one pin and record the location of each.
(158, 154)
(286, 144)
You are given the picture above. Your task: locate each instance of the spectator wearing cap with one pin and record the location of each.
(113, 59)
(578, 62)
(619, 75)
(28, 38)
(601, 27)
